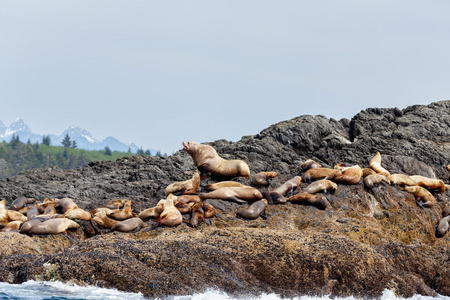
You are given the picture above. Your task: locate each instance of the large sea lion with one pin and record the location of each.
(261, 178)
(101, 219)
(210, 164)
(442, 227)
(21, 202)
(430, 183)
(401, 179)
(12, 226)
(320, 173)
(218, 185)
(79, 214)
(238, 194)
(54, 226)
(374, 180)
(16, 216)
(170, 216)
(350, 175)
(153, 212)
(125, 213)
(310, 164)
(255, 210)
(316, 200)
(287, 187)
(320, 185)
(184, 187)
(65, 204)
(423, 196)
(130, 225)
(375, 163)
(197, 216)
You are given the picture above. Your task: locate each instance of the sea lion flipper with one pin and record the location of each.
(263, 214)
(70, 237)
(237, 199)
(154, 225)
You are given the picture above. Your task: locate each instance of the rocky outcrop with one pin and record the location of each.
(368, 240)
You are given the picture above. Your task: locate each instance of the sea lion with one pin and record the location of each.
(401, 179)
(368, 171)
(153, 212)
(184, 208)
(320, 185)
(130, 225)
(117, 203)
(125, 213)
(287, 187)
(210, 164)
(21, 202)
(108, 211)
(374, 180)
(350, 175)
(310, 164)
(27, 225)
(317, 200)
(442, 227)
(320, 173)
(64, 205)
(209, 210)
(16, 216)
(261, 178)
(375, 163)
(197, 216)
(446, 211)
(255, 210)
(33, 211)
(46, 203)
(185, 187)
(187, 198)
(54, 226)
(274, 197)
(49, 210)
(218, 185)
(101, 219)
(79, 214)
(170, 216)
(238, 194)
(430, 183)
(4, 219)
(423, 196)
(12, 226)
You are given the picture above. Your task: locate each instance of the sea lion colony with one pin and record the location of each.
(53, 216)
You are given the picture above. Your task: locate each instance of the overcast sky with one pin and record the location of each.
(162, 72)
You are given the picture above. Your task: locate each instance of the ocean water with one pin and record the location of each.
(41, 290)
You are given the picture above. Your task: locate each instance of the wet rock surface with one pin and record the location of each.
(368, 240)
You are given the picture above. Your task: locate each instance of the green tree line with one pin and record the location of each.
(17, 156)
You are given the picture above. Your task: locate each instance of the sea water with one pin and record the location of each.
(41, 290)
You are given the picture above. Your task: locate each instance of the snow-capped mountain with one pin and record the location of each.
(83, 138)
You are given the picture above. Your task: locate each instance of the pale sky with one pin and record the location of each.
(158, 73)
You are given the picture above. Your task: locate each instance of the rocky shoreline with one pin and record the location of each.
(368, 240)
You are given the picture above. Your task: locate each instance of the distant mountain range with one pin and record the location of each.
(83, 138)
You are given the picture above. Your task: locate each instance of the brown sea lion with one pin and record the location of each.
(153, 212)
(20, 203)
(238, 194)
(79, 214)
(210, 164)
(185, 187)
(287, 187)
(423, 196)
(33, 211)
(46, 203)
(26, 226)
(350, 175)
(317, 200)
(125, 213)
(16, 216)
(108, 211)
(12, 226)
(54, 226)
(374, 180)
(255, 210)
(310, 164)
(218, 185)
(320, 185)
(375, 163)
(4, 219)
(209, 210)
(197, 216)
(185, 208)
(368, 171)
(429, 183)
(446, 211)
(65, 204)
(117, 203)
(320, 173)
(401, 179)
(50, 211)
(170, 216)
(130, 225)
(442, 227)
(101, 219)
(187, 198)
(274, 197)
(261, 178)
